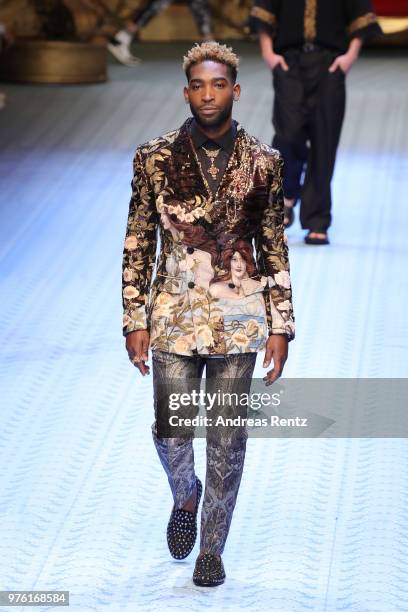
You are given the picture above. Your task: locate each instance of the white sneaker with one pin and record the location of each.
(123, 55)
(120, 48)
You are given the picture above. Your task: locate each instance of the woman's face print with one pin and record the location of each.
(238, 266)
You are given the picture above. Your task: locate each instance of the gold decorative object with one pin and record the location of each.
(212, 155)
(46, 61)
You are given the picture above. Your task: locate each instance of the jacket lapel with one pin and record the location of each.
(187, 177)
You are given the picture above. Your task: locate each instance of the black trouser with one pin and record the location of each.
(308, 116)
(199, 8)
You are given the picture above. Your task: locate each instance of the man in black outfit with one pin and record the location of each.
(310, 45)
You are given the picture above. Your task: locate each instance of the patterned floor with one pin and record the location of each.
(320, 525)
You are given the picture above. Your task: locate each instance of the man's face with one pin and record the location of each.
(211, 93)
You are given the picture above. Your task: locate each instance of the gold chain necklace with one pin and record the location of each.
(212, 155)
(212, 198)
(230, 216)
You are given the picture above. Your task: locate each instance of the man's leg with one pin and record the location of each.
(326, 120)
(289, 124)
(175, 374)
(119, 45)
(201, 14)
(142, 16)
(226, 448)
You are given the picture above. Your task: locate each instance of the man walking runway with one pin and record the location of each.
(310, 45)
(221, 292)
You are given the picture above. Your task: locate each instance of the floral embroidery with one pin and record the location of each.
(222, 283)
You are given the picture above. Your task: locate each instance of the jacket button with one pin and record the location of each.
(190, 250)
(191, 285)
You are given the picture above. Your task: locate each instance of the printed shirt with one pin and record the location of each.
(221, 282)
(328, 23)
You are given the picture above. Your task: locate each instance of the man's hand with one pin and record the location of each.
(137, 346)
(276, 349)
(274, 60)
(345, 62)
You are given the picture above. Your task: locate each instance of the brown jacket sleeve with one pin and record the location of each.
(273, 257)
(139, 253)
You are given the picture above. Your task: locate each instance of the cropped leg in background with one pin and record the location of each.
(225, 445)
(307, 117)
(119, 45)
(201, 14)
(142, 16)
(199, 8)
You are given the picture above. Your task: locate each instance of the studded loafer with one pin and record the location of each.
(209, 570)
(182, 528)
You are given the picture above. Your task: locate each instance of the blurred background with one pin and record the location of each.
(87, 20)
(95, 21)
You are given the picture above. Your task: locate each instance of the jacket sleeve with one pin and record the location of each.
(273, 257)
(264, 16)
(361, 20)
(139, 253)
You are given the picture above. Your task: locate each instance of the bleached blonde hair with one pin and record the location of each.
(214, 52)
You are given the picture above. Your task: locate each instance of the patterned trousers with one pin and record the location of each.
(199, 8)
(226, 446)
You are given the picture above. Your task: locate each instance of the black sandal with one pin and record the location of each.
(182, 528)
(316, 241)
(289, 213)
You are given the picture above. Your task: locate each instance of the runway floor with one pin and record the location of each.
(320, 524)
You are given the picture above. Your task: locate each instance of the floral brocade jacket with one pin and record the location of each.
(221, 283)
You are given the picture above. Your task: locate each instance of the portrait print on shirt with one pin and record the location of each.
(227, 306)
